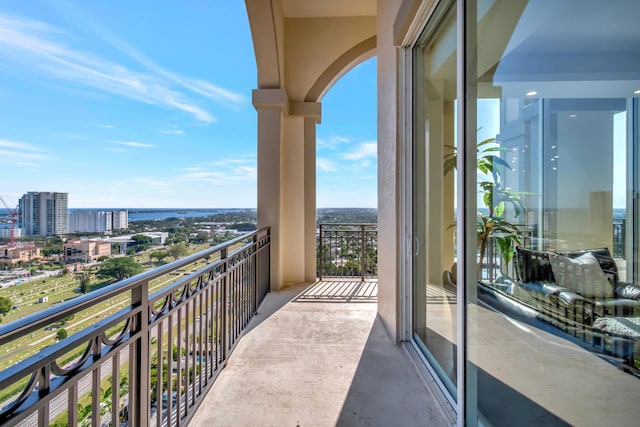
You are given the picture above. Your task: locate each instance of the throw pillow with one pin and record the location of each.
(606, 261)
(582, 275)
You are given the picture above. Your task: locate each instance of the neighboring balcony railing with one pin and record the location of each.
(150, 360)
(619, 237)
(347, 250)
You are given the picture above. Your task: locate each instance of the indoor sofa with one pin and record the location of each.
(581, 293)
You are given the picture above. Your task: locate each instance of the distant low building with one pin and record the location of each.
(6, 232)
(157, 238)
(15, 254)
(85, 250)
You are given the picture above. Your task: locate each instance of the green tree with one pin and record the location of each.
(5, 305)
(61, 334)
(84, 280)
(178, 250)
(119, 268)
(141, 242)
(67, 319)
(55, 249)
(159, 255)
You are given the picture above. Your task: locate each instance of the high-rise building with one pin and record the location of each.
(120, 219)
(93, 221)
(44, 214)
(90, 221)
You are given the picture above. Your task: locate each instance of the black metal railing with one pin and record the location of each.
(347, 250)
(151, 360)
(619, 237)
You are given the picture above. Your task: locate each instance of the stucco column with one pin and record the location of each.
(298, 171)
(271, 105)
(310, 246)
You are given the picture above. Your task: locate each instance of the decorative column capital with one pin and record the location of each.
(306, 109)
(270, 98)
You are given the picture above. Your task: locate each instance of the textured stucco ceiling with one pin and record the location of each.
(327, 8)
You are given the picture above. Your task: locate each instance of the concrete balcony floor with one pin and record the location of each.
(318, 356)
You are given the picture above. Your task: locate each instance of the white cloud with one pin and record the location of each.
(20, 155)
(325, 165)
(364, 150)
(231, 171)
(31, 44)
(16, 152)
(331, 142)
(135, 144)
(173, 132)
(18, 145)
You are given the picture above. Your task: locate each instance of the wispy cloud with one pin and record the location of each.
(204, 88)
(325, 165)
(16, 152)
(173, 132)
(226, 172)
(331, 142)
(135, 144)
(73, 136)
(32, 45)
(364, 151)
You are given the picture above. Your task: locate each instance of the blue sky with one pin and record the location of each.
(148, 104)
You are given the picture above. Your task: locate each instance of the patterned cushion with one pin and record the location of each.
(606, 261)
(582, 275)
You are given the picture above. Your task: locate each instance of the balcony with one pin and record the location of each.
(313, 354)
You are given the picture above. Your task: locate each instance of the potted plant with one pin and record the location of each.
(491, 224)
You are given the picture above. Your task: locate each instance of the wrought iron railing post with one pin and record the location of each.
(139, 397)
(363, 257)
(256, 273)
(225, 301)
(321, 261)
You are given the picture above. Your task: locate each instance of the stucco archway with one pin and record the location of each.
(301, 51)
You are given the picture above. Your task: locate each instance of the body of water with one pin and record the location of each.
(145, 214)
(161, 213)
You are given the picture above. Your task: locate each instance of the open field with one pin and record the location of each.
(25, 297)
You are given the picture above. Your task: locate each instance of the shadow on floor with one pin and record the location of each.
(340, 291)
(501, 405)
(387, 393)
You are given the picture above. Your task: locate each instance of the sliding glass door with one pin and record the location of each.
(548, 92)
(434, 281)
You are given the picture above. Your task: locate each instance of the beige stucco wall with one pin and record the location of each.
(313, 44)
(388, 177)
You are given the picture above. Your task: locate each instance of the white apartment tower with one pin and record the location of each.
(92, 221)
(89, 221)
(120, 219)
(44, 214)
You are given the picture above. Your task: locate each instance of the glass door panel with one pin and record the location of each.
(434, 281)
(553, 97)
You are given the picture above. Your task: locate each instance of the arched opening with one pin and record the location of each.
(346, 178)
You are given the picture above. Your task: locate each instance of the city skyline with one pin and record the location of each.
(120, 111)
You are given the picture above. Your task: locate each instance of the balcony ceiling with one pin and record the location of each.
(327, 8)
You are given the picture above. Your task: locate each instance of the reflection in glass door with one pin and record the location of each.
(554, 91)
(434, 279)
